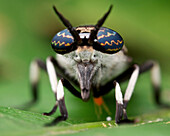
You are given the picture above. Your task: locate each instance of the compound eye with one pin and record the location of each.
(109, 40)
(62, 42)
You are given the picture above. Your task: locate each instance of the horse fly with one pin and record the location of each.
(94, 58)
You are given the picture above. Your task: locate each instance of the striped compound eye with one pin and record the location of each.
(109, 41)
(62, 42)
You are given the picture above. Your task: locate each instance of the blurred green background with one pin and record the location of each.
(27, 27)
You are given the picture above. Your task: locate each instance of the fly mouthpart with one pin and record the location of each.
(85, 94)
(85, 74)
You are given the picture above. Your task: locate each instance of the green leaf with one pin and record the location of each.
(26, 29)
(19, 122)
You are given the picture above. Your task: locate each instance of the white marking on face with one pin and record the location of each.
(52, 75)
(83, 35)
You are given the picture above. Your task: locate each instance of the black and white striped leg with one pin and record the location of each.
(130, 89)
(53, 81)
(51, 65)
(155, 78)
(51, 62)
(61, 104)
(156, 82)
(35, 67)
(121, 104)
(58, 90)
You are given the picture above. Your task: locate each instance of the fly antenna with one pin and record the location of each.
(97, 26)
(69, 26)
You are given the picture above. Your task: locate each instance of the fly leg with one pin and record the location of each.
(58, 91)
(61, 104)
(156, 80)
(35, 67)
(60, 101)
(121, 104)
(70, 88)
(53, 81)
